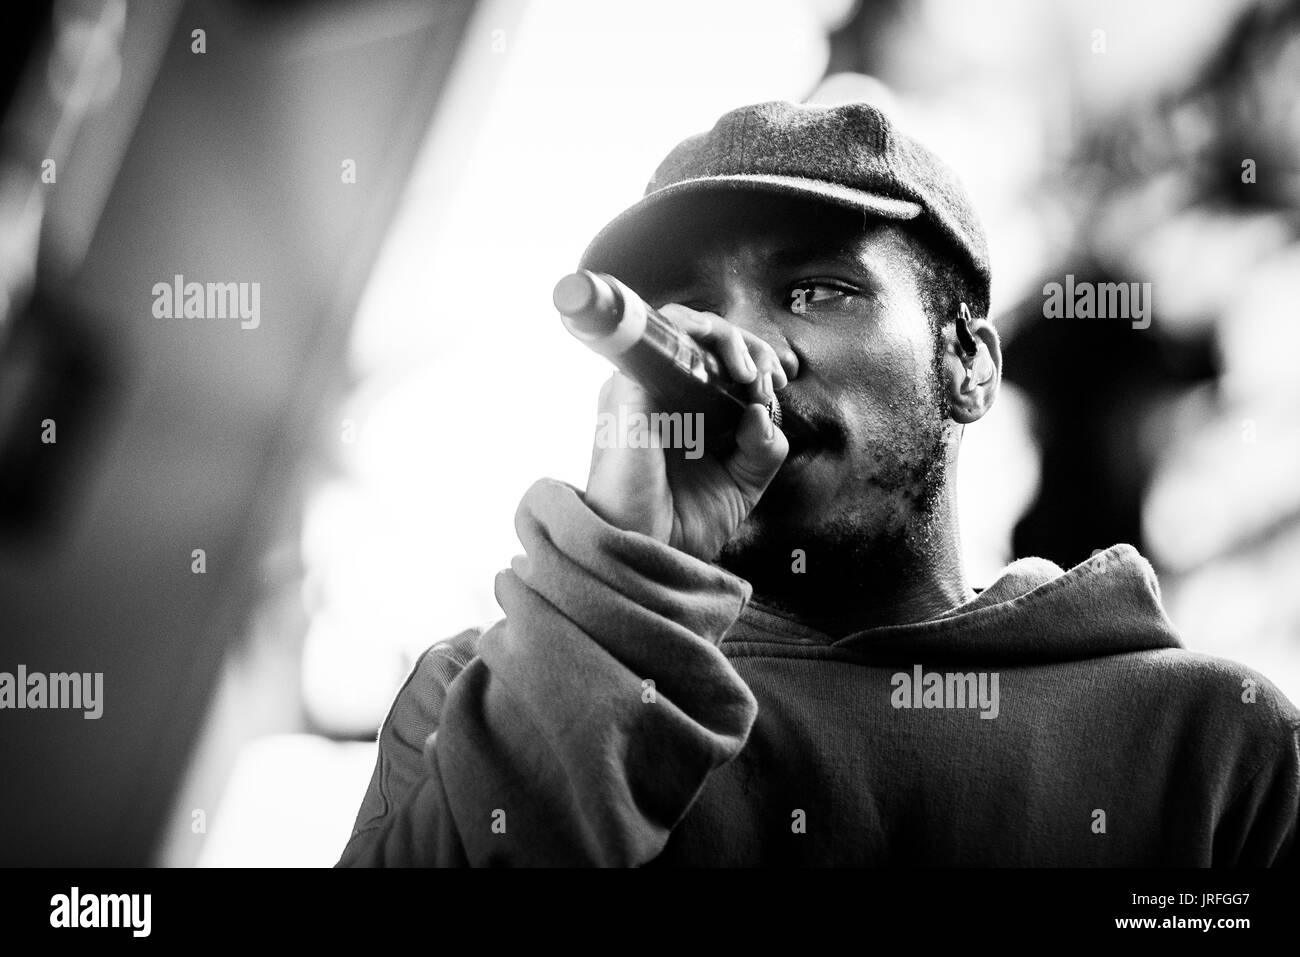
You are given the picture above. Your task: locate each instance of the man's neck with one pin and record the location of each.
(844, 588)
(859, 607)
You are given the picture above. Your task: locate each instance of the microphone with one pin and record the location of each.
(609, 318)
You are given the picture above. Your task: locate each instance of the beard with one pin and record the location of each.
(882, 538)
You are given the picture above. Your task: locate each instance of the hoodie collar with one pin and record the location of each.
(1033, 612)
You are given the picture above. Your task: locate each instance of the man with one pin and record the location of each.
(771, 654)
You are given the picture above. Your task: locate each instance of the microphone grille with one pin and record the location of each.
(774, 410)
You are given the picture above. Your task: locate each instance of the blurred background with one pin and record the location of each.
(253, 532)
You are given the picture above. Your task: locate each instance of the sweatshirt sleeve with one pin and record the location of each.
(585, 723)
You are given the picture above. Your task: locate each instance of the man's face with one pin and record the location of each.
(864, 413)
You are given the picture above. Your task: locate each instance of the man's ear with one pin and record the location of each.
(972, 378)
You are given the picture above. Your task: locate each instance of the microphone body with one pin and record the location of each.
(609, 318)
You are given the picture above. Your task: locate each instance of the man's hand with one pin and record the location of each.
(693, 505)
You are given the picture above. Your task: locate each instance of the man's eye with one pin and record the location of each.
(805, 293)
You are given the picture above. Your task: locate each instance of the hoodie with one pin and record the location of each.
(635, 706)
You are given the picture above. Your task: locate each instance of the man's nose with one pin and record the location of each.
(765, 320)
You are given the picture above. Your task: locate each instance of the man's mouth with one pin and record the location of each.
(798, 460)
(804, 438)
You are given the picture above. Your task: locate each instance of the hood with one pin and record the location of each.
(1033, 612)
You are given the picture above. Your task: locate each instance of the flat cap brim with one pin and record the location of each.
(617, 241)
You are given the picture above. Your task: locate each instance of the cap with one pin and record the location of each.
(849, 155)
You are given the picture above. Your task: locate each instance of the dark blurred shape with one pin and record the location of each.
(1250, 89)
(53, 367)
(1094, 385)
(859, 45)
(25, 23)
